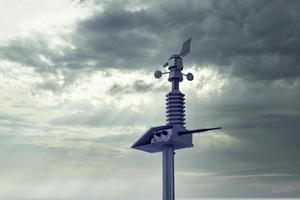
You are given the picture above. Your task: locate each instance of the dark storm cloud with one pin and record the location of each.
(258, 39)
(264, 119)
(26, 51)
(138, 86)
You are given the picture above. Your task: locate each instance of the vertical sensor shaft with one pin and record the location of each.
(168, 173)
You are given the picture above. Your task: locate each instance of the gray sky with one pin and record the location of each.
(77, 89)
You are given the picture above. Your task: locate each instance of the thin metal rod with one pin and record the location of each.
(175, 85)
(168, 173)
(197, 131)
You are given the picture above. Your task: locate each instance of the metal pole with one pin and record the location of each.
(168, 173)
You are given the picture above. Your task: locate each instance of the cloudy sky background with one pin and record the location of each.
(77, 89)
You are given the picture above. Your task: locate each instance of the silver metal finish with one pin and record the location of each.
(168, 173)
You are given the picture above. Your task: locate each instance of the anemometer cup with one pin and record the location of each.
(190, 77)
(157, 74)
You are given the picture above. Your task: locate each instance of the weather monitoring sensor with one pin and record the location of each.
(173, 135)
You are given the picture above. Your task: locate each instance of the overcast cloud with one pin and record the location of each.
(77, 89)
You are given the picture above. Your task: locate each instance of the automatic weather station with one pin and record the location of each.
(172, 136)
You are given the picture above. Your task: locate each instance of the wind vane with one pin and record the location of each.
(173, 135)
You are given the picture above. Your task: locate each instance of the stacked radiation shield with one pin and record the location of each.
(175, 108)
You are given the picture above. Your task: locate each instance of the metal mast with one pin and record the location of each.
(173, 135)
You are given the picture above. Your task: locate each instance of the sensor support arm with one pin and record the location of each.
(197, 131)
